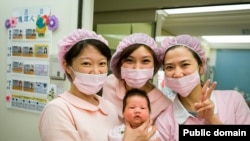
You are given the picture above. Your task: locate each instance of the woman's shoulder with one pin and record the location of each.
(107, 106)
(58, 107)
(156, 93)
(166, 116)
(112, 83)
(111, 80)
(58, 102)
(227, 93)
(106, 102)
(112, 77)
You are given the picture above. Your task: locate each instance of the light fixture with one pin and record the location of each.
(207, 9)
(227, 39)
(161, 38)
(115, 36)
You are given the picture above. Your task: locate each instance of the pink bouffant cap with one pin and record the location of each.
(74, 37)
(184, 40)
(135, 38)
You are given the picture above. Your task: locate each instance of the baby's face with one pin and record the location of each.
(136, 112)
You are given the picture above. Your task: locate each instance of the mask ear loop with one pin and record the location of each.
(202, 68)
(201, 81)
(68, 75)
(199, 68)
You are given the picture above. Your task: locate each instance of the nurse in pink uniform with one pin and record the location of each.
(79, 114)
(134, 65)
(184, 62)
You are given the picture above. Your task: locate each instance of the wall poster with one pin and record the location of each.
(29, 43)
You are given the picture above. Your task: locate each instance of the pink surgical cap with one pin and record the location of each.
(135, 38)
(74, 37)
(184, 40)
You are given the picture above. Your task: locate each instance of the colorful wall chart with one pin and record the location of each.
(29, 43)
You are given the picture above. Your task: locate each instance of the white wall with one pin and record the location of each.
(18, 125)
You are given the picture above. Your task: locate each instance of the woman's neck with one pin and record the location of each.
(193, 97)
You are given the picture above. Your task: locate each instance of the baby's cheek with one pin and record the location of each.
(128, 115)
(145, 116)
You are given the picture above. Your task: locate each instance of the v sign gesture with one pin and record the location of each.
(205, 108)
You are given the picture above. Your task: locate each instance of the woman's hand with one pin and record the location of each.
(139, 134)
(205, 108)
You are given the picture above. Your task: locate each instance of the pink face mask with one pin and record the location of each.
(136, 78)
(184, 85)
(89, 83)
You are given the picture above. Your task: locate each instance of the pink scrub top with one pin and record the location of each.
(70, 118)
(114, 91)
(230, 106)
(117, 133)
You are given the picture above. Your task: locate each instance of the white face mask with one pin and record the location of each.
(184, 85)
(89, 83)
(136, 78)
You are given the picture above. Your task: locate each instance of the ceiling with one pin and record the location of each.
(222, 23)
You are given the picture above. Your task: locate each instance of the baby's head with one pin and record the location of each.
(136, 107)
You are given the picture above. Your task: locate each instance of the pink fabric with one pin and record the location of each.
(185, 40)
(231, 109)
(114, 91)
(117, 133)
(135, 38)
(68, 118)
(74, 37)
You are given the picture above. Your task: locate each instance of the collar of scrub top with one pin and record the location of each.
(82, 104)
(180, 112)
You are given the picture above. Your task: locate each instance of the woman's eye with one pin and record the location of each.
(185, 65)
(146, 61)
(85, 63)
(168, 67)
(103, 63)
(128, 60)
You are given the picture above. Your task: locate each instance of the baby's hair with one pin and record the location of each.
(135, 92)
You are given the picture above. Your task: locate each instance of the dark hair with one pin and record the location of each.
(135, 92)
(78, 47)
(195, 55)
(127, 51)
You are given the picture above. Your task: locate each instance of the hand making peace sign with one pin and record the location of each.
(205, 108)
